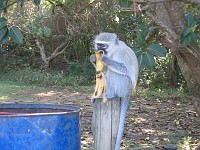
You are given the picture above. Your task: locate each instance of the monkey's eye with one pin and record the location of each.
(101, 46)
(104, 46)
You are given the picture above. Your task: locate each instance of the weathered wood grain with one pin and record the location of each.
(105, 123)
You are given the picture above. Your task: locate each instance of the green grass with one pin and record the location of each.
(11, 90)
(75, 81)
(18, 80)
(165, 94)
(21, 84)
(42, 78)
(179, 139)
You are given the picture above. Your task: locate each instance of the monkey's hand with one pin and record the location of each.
(104, 58)
(99, 63)
(93, 58)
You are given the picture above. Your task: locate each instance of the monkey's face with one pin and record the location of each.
(106, 42)
(101, 47)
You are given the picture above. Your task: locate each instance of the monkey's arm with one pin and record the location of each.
(95, 62)
(114, 65)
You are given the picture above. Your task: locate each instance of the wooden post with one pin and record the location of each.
(105, 123)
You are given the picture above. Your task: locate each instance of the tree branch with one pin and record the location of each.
(164, 26)
(171, 33)
(8, 5)
(42, 51)
(89, 4)
(54, 55)
(58, 51)
(195, 2)
(60, 47)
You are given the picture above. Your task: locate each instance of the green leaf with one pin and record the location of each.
(22, 3)
(3, 32)
(3, 22)
(47, 31)
(194, 37)
(34, 30)
(140, 61)
(149, 60)
(186, 31)
(144, 30)
(152, 29)
(2, 4)
(61, 37)
(157, 50)
(136, 50)
(16, 35)
(125, 3)
(40, 32)
(61, 1)
(185, 40)
(146, 60)
(38, 19)
(5, 38)
(193, 24)
(189, 19)
(140, 39)
(37, 2)
(141, 34)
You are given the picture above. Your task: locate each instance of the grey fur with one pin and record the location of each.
(108, 37)
(121, 74)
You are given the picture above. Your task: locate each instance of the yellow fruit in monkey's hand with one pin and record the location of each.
(99, 64)
(100, 85)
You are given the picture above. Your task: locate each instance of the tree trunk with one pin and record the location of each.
(170, 16)
(58, 51)
(44, 58)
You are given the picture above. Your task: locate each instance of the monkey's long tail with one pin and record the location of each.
(123, 110)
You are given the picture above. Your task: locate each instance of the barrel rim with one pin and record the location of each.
(73, 109)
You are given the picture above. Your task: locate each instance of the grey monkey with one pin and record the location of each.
(121, 73)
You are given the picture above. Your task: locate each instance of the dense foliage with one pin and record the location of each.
(60, 33)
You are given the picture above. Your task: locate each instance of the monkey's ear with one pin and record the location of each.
(116, 39)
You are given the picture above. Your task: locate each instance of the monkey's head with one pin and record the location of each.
(106, 42)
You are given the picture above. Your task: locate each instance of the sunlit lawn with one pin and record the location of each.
(10, 90)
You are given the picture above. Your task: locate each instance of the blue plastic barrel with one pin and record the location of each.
(39, 127)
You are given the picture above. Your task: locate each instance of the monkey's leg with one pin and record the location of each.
(110, 92)
(92, 99)
(123, 110)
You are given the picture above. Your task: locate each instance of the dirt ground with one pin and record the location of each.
(150, 122)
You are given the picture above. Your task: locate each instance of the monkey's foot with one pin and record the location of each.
(105, 100)
(112, 98)
(92, 100)
(102, 96)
